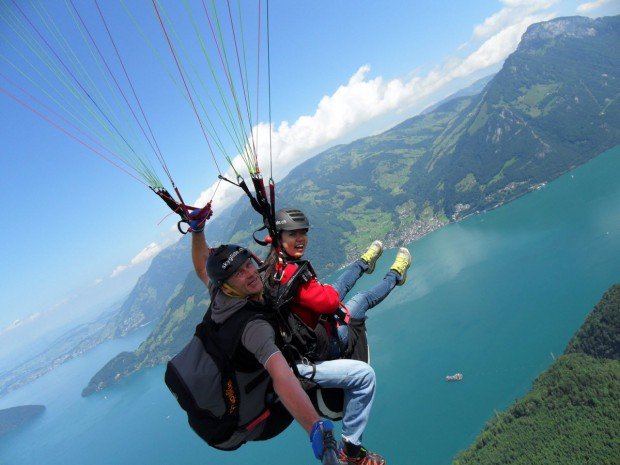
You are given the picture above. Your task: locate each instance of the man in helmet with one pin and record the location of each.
(236, 286)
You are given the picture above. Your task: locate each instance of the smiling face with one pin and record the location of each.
(294, 243)
(246, 280)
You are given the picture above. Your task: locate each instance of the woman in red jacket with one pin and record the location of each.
(313, 299)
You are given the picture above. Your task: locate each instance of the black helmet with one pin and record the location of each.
(289, 219)
(224, 261)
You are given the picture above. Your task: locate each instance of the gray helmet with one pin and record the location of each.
(290, 219)
(224, 261)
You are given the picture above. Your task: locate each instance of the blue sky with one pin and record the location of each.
(77, 232)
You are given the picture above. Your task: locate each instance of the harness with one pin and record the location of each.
(300, 341)
(227, 394)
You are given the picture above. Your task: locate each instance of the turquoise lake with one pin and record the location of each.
(494, 297)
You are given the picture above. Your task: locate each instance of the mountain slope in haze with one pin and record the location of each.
(572, 414)
(175, 328)
(146, 303)
(471, 90)
(71, 344)
(553, 106)
(14, 417)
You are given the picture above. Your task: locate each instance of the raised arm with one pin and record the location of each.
(200, 253)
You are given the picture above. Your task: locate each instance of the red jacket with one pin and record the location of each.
(312, 298)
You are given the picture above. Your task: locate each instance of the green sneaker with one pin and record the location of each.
(401, 265)
(372, 255)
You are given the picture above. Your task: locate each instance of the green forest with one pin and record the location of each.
(571, 416)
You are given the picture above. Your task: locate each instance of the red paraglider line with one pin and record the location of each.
(74, 137)
(163, 27)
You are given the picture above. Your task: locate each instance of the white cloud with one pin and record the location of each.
(118, 270)
(61, 303)
(589, 6)
(21, 322)
(144, 255)
(512, 13)
(98, 281)
(495, 49)
(147, 253)
(14, 324)
(351, 105)
(364, 98)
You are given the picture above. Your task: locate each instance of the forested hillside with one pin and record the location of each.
(572, 414)
(600, 334)
(14, 417)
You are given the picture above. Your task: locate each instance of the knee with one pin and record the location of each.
(360, 302)
(368, 376)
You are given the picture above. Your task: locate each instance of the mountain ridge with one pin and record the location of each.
(470, 154)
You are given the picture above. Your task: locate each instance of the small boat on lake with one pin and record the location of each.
(454, 377)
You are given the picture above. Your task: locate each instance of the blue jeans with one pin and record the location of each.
(357, 379)
(360, 303)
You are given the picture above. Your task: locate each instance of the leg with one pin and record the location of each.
(360, 303)
(365, 264)
(358, 381)
(349, 277)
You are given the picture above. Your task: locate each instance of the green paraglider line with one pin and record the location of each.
(72, 75)
(184, 82)
(153, 181)
(147, 169)
(221, 49)
(244, 80)
(47, 44)
(271, 181)
(74, 137)
(156, 149)
(90, 131)
(43, 78)
(231, 128)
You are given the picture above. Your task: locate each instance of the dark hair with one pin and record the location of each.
(287, 219)
(269, 266)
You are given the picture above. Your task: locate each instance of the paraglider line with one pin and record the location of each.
(243, 81)
(58, 115)
(269, 95)
(156, 149)
(71, 74)
(226, 70)
(184, 82)
(74, 137)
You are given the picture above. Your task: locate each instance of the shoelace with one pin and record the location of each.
(365, 457)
